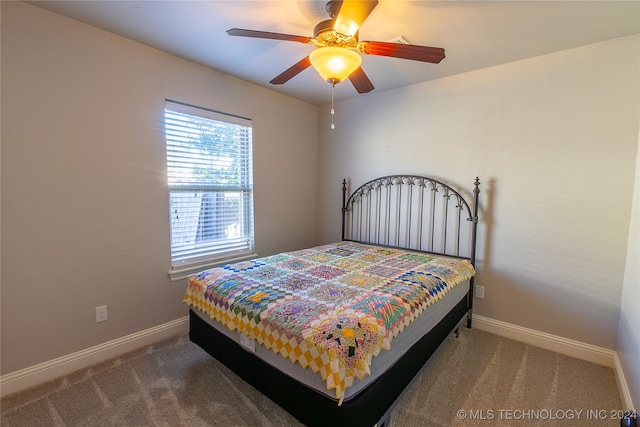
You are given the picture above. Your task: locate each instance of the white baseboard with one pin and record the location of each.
(622, 385)
(568, 347)
(37, 374)
(577, 349)
(34, 375)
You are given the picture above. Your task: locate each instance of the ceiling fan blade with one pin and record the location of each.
(360, 81)
(352, 14)
(404, 51)
(291, 72)
(267, 35)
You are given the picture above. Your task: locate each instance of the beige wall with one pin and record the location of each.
(84, 196)
(553, 140)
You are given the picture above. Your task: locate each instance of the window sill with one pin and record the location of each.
(183, 273)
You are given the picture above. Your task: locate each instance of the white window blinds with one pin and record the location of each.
(209, 168)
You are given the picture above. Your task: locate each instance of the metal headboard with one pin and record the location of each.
(405, 211)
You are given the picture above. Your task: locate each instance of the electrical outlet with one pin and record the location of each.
(479, 292)
(101, 313)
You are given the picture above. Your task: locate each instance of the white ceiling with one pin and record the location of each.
(475, 34)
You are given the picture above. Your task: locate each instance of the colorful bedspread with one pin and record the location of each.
(331, 308)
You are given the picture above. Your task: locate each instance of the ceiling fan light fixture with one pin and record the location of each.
(335, 63)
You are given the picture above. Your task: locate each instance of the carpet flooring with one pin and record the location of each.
(476, 379)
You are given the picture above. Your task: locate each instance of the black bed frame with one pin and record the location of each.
(397, 211)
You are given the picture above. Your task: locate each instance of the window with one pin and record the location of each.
(209, 169)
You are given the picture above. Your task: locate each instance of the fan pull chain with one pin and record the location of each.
(333, 87)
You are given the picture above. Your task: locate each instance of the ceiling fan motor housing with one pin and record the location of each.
(325, 35)
(333, 8)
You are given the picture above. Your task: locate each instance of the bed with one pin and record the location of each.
(335, 333)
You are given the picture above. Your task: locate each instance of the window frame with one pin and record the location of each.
(191, 257)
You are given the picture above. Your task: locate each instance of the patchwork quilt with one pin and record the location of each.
(330, 308)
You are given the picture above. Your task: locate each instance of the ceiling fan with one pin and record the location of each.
(337, 53)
